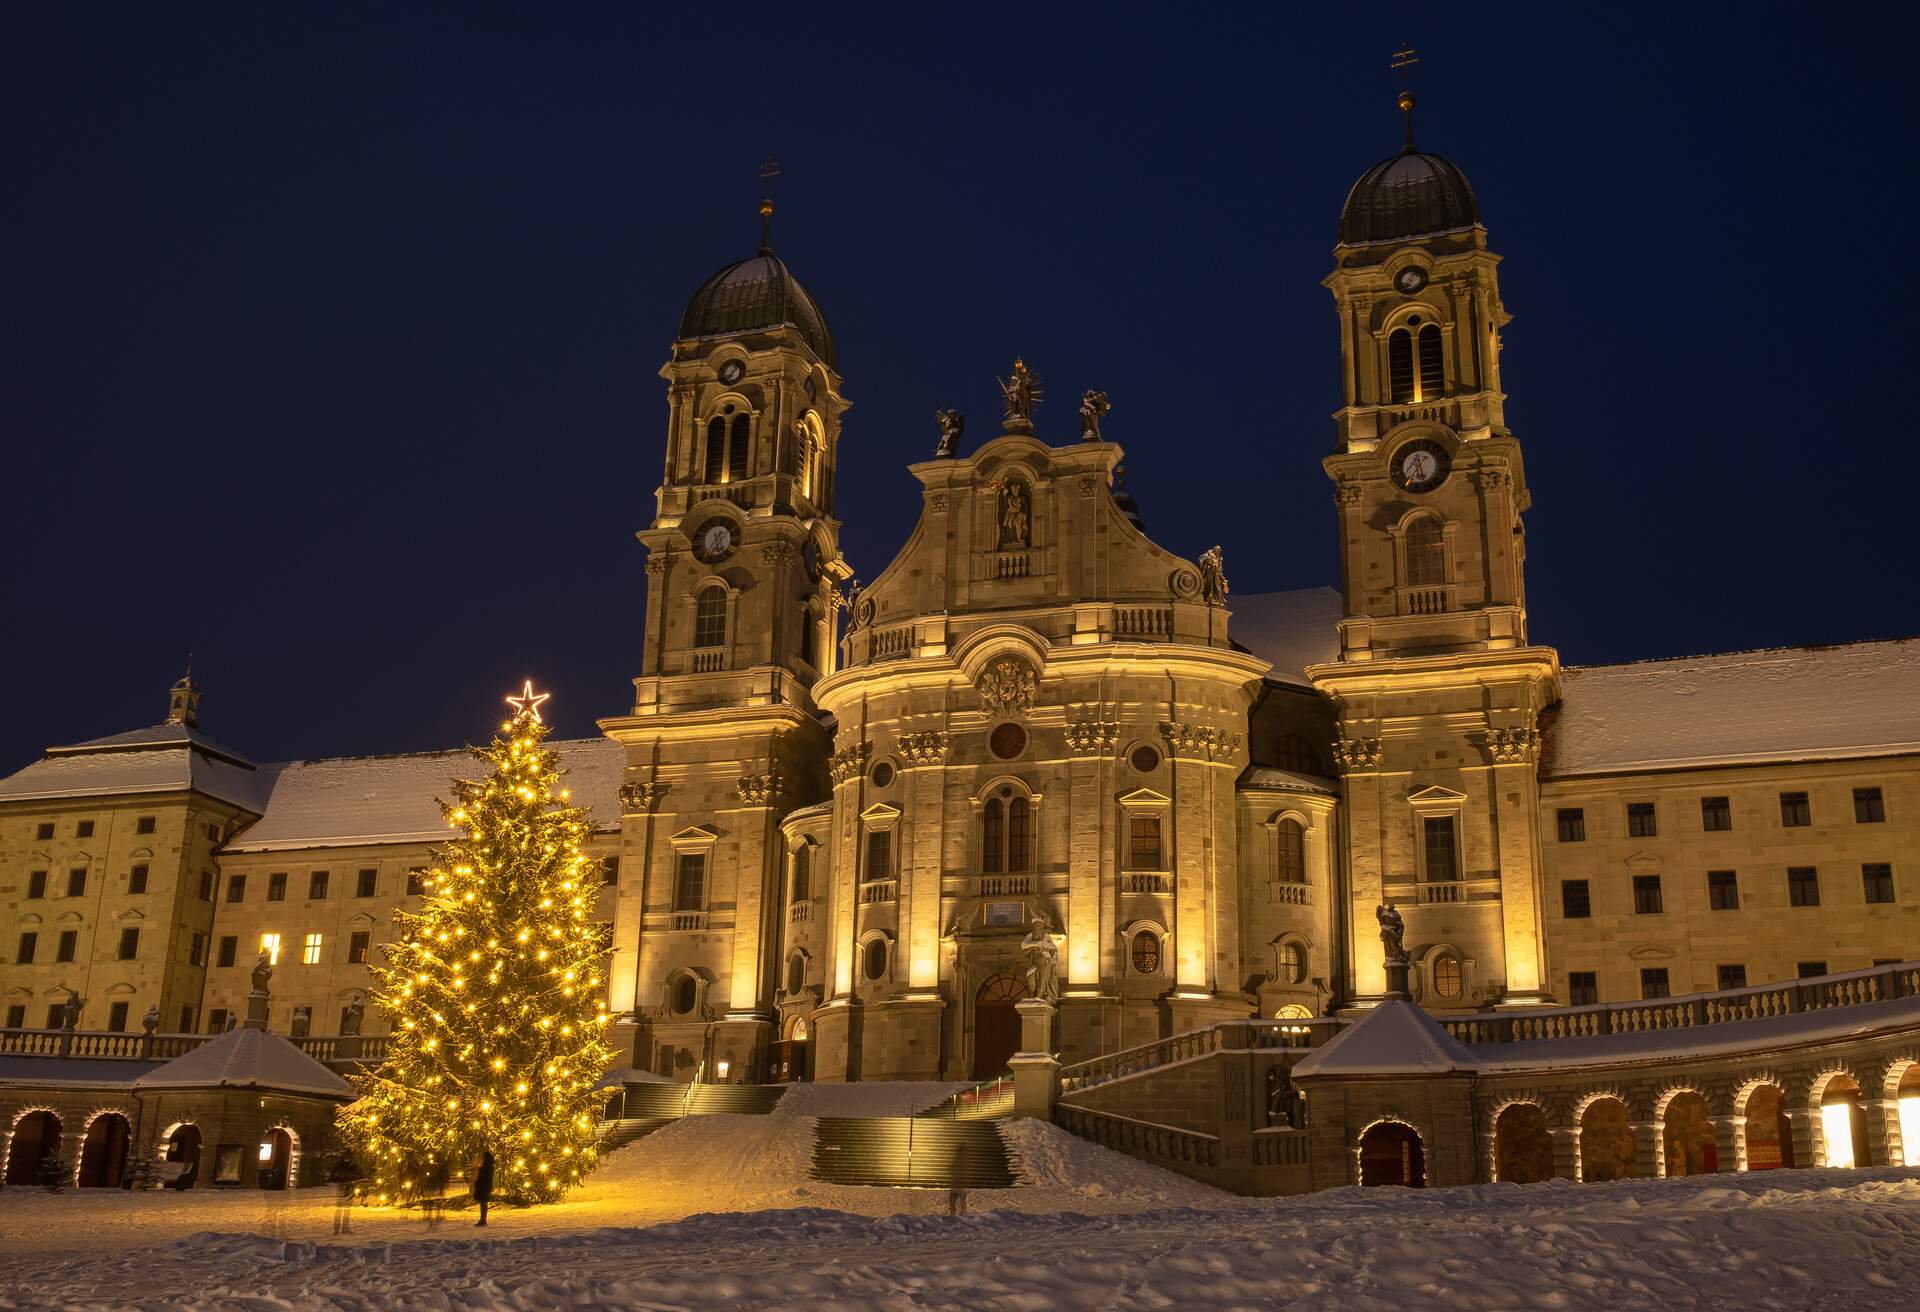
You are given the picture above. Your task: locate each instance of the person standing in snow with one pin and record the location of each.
(483, 1184)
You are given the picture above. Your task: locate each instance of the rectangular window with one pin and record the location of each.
(1442, 867)
(1869, 806)
(316, 886)
(186, 1020)
(1583, 988)
(213, 832)
(29, 944)
(1576, 902)
(277, 886)
(1573, 824)
(689, 885)
(17, 1016)
(216, 1020)
(1877, 877)
(1716, 814)
(1732, 975)
(1811, 969)
(196, 956)
(416, 882)
(36, 883)
(55, 1016)
(137, 880)
(879, 855)
(1653, 982)
(1796, 812)
(144, 825)
(117, 1017)
(310, 951)
(1143, 842)
(1646, 895)
(84, 829)
(270, 944)
(357, 947)
(44, 831)
(609, 870)
(1723, 890)
(236, 888)
(206, 885)
(68, 946)
(229, 949)
(710, 619)
(76, 883)
(129, 943)
(1803, 886)
(365, 882)
(1640, 820)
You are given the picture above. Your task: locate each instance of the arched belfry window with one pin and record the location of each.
(1426, 553)
(710, 619)
(1416, 363)
(716, 449)
(737, 449)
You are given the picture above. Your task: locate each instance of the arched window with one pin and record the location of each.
(802, 859)
(1292, 865)
(1018, 814)
(1416, 363)
(1400, 366)
(1146, 953)
(1446, 976)
(993, 838)
(1295, 753)
(716, 449)
(796, 972)
(1426, 553)
(1293, 963)
(710, 619)
(685, 994)
(737, 450)
(875, 963)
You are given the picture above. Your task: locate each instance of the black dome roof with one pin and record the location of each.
(757, 293)
(1409, 195)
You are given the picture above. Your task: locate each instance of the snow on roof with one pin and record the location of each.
(1292, 629)
(152, 768)
(1266, 776)
(355, 800)
(169, 734)
(1779, 704)
(1395, 1038)
(19, 1071)
(247, 1059)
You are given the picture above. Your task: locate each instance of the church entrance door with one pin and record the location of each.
(996, 1025)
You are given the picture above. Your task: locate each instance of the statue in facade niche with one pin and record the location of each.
(952, 425)
(1392, 931)
(1043, 961)
(1016, 515)
(1022, 392)
(356, 1011)
(262, 971)
(1092, 406)
(1213, 576)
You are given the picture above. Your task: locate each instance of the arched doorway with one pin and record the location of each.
(792, 1056)
(183, 1145)
(1606, 1141)
(36, 1136)
(103, 1156)
(276, 1159)
(1691, 1147)
(1522, 1148)
(1843, 1124)
(996, 1025)
(1390, 1153)
(1907, 1102)
(1769, 1132)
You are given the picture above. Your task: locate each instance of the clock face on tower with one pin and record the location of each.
(713, 542)
(1410, 279)
(731, 372)
(1420, 466)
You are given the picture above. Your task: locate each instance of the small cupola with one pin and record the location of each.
(183, 701)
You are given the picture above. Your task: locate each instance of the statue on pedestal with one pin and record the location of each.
(952, 425)
(1213, 576)
(1093, 406)
(1392, 930)
(1021, 392)
(1043, 961)
(262, 971)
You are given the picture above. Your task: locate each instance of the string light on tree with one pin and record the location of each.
(495, 991)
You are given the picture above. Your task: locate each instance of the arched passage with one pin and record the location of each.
(1606, 1141)
(996, 1025)
(1391, 1153)
(1688, 1131)
(1906, 1093)
(1769, 1132)
(183, 1145)
(278, 1156)
(1843, 1125)
(103, 1154)
(1522, 1148)
(36, 1136)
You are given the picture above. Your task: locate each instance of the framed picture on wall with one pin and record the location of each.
(226, 1163)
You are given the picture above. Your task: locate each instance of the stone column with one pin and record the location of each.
(1649, 1155)
(1885, 1145)
(1036, 1072)
(1566, 1152)
(1730, 1141)
(1489, 1157)
(1805, 1130)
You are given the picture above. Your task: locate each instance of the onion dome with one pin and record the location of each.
(757, 293)
(1412, 194)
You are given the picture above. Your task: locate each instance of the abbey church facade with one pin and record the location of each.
(831, 813)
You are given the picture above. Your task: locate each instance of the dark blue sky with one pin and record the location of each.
(331, 333)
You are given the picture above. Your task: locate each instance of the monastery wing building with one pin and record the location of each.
(831, 814)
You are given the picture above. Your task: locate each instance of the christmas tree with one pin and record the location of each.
(494, 991)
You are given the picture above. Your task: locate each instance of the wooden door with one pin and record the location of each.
(996, 1026)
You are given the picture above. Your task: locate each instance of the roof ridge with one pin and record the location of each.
(1740, 651)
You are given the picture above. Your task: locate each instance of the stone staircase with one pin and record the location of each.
(920, 1152)
(650, 1106)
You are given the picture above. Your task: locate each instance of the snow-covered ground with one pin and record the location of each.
(718, 1211)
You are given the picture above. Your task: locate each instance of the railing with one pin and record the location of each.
(344, 1047)
(1005, 885)
(1291, 894)
(706, 662)
(1144, 883)
(1849, 989)
(879, 890)
(1143, 1139)
(1142, 622)
(1146, 1057)
(739, 494)
(1425, 601)
(1012, 565)
(800, 913)
(106, 1045)
(687, 920)
(978, 1103)
(890, 644)
(1280, 1146)
(1452, 890)
(1309, 1033)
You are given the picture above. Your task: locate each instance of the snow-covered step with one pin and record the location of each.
(907, 1151)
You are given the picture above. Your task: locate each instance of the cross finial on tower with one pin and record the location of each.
(1403, 61)
(768, 172)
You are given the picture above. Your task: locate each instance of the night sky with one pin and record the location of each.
(331, 334)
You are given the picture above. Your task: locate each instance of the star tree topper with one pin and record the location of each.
(528, 702)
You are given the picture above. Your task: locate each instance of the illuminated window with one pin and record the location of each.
(1416, 363)
(1433, 370)
(1426, 553)
(270, 944)
(710, 619)
(310, 951)
(1143, 842)
(1446, 976)
(1146, 953)
(357, 947)
(1291, 866)
(1443, 865)
(1293, 963)
(737, 450)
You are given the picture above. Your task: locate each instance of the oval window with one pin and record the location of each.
(685, 994)
(1446, 977)
(882, 774)
(876, 962)
(1146, 953)
(796, 972)
(1007, 741)
(1144, 759)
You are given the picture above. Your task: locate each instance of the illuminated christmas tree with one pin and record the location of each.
(494, 991)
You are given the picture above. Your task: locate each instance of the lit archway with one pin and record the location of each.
(1522, 1147)
(1843, 1123)
(103, 1151)
(1391, 1153)
(181, 1143)
(1687, 1134)
(1606, 1141)
(280, 1158)
(35, 1137)
(1769, 1131)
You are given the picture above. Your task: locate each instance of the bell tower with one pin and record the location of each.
(1439, 692)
